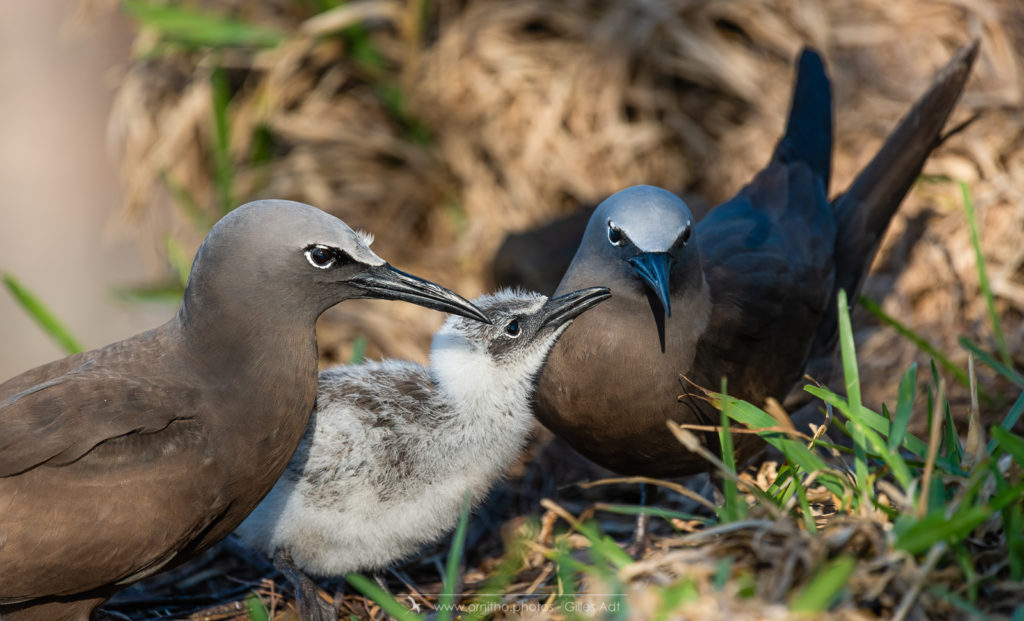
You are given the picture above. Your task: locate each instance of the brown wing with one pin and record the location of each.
(58, 412)
(99, 471)
(105, 519)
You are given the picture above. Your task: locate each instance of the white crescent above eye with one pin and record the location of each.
(615, 236)
(321, 256)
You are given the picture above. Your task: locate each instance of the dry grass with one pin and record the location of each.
(492, 117)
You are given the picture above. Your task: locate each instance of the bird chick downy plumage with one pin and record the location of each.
(122, 461)
(393, 447)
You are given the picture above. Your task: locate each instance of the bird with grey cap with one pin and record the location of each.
(124, 461)
(393, 447)
(747, 294)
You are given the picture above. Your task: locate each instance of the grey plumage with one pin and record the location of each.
(125, 460)
(393, 447)
(748, 294)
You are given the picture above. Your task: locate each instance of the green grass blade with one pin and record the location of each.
(665, 514)
(1013, 526)
(1009, 420)
(852, 376)
(934, 527)
(180, 260)
(446, 602)
(186, 202)
(970, 610)
(223, 169)
(676, 596)
(921, 535)
(906, 332)
(42, 315)
(503, 575)
(565, 573)
(195, 28)
(795, 451)
(867, 423)
(1011, 443)
(603, 547)
(950, 438)
(805, 508)
(169, 292)
(871, 419)
(256, 609)
(731, 511)
(756, 418)
(825, 586)
(986, 289)
(358, 350)
(385, 600)
(904, 408)
(1006, 371)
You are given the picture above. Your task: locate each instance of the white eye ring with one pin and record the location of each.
(320, 256)
(615, 236)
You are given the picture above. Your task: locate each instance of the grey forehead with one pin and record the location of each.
(651, 217)
(509, 302)
(497, 306)
(299, 225)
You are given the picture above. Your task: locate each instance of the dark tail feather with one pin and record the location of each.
(864, 211)
(808, 136)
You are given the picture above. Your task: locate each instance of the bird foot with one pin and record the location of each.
(311, 606)
(636, 548)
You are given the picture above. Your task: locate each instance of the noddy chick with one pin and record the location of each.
(122, 461)
(393, 447)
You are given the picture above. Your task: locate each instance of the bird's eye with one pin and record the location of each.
(320, 256)
(512, 328)
(685, 237)
(615, 236)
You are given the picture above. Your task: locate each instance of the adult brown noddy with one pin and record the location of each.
(122, 461)
(747, 294)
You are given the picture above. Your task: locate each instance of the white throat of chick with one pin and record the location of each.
(483, 372)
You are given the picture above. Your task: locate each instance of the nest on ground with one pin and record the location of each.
(747, 570)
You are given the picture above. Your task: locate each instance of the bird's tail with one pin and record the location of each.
(808, 136)
(864, 211)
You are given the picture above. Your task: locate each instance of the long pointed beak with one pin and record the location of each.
(387, 283)
(654, 268)
(563, 309)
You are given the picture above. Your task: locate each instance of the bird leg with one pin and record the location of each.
(307, 595)
(638, 545)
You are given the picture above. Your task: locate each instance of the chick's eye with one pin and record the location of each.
(512, 328)
(320, 256)
(615, 235)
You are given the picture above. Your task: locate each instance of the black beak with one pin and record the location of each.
(558, 311)
(387, 283)
(654, 267)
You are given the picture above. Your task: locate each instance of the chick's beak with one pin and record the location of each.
(565, 308)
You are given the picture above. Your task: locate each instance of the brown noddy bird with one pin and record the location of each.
(122, 461)
(747, 294)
